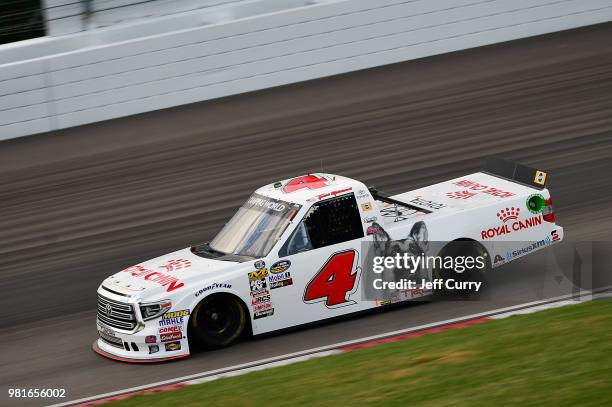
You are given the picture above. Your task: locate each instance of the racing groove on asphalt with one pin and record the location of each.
(80, 204)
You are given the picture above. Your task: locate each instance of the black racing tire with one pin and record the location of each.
(218, 321)
(461, 248)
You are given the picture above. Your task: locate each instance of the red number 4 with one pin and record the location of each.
(334, 281)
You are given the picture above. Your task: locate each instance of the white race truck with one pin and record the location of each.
(292, 255)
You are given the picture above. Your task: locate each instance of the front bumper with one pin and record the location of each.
(96, 347)
(132, 347)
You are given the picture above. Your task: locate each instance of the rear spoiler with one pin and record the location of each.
(516, 172)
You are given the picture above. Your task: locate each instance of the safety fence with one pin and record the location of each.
(228, 49)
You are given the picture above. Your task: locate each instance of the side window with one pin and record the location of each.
(328, 222)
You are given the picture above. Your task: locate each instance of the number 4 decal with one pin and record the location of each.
(335, 281)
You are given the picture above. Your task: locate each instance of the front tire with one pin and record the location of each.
(218, 321)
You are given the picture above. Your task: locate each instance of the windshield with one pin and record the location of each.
(256, 227)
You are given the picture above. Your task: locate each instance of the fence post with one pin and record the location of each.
(88, 11)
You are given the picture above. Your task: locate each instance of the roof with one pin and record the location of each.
(310, 188)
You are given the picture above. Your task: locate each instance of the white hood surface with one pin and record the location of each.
(169, 273)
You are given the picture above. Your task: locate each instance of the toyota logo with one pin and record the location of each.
(109, 310)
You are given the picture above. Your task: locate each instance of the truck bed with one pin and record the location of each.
(468, 192)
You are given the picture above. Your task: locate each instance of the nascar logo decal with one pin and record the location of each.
(280, 266)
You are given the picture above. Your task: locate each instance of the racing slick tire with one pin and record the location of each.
(463, 248)
(217, 321)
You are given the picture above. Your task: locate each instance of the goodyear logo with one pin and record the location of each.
(540, 178)
(176, 314)
(259, 274)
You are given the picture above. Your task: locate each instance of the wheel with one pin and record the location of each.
(217, 321)
(458, 249)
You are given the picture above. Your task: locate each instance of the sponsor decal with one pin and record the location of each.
(263, 314)
(370, 219)
(173, 346)
(212, 286)
(150, 339)
(508, 228)
(540, 178)
(262, 307)
(259, 274)
(280, 266)
(171, 328)
(529, 248)
(176, 314)
(170, 282)
(174, 265)
(280, 276)
(258, 286)
(171, 336)
(535, 203)
(373, 230)
(366, 206)
(362, 193)
(460, 194)
(281, 283)
(261, 299)
(334, 193)
(508, 214)
(260, 296)
(153, 349)
(498, 259)
(259, 264)
(555, 236)
(269, 204)
(418, 292)
(380, 303)
(484, 189)
(173, 317)
(310, 181)
(280, 280)
(425, 203)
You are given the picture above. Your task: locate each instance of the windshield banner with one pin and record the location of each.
(271, 205)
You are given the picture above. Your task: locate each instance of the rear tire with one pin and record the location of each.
(462, 248)
(218, 321)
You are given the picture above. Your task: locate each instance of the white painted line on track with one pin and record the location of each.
(327, 350)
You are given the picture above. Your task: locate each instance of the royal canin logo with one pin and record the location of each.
(165, 280)
(508, 228)
(509, 213)
(173, 265)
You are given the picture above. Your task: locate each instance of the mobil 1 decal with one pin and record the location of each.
(335, 281)
(280, 276)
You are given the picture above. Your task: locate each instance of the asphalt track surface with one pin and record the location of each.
(79, 204)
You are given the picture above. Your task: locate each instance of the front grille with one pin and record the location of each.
(116, 314)
(111, 340)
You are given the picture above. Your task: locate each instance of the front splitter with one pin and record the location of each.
(101, 352)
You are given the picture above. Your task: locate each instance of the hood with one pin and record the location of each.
(166, 275)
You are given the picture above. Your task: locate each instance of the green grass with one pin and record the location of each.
(558, 357)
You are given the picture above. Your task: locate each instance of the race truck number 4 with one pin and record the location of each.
(334, 281)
